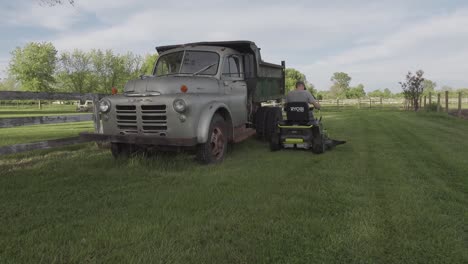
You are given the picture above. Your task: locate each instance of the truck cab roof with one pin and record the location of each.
(243, 46)
(218, 49)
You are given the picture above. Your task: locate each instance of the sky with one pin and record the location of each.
(375, 42)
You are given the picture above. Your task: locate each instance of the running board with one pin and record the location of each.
(242, 133)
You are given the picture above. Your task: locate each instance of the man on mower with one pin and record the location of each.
(300, 94)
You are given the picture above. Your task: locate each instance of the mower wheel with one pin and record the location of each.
(318, 146)
(275, 143)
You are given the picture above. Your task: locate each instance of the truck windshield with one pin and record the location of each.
(199, 62)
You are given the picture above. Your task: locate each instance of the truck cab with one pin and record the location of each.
(201, 96)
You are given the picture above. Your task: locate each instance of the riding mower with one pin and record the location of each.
(301, 130)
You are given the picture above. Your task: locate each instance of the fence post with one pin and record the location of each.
(438, 102)
(96, 114)
(381, 102)
(430, 98)
(338, 103)
(446, 101)
(425, 97)
(359, 103)
(459, 104)
(370, 102)
(420, 102)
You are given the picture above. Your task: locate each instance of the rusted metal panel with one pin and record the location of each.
(41, 145)
(39, 120)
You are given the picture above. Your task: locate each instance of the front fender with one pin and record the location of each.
(205, 119)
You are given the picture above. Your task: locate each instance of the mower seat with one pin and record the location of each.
(298, 113)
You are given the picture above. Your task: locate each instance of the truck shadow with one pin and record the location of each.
(160, 161)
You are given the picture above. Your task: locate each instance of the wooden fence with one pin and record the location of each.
(364, 103)
(26, 121)
(447, 102)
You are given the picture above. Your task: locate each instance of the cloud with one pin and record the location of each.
(375, 42)
(435, 45)
(270, 26)
(57, 18)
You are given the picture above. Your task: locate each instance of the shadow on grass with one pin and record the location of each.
(91, 156)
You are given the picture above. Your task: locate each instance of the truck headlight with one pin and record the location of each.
(104, 106)
(179, 105)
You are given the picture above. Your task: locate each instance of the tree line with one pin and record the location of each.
(39, 67)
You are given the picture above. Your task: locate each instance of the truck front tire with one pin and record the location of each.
(122, 150)
(214, 149)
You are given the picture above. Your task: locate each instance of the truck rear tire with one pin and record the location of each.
(214, 149)
(274, 115)
(260, 116)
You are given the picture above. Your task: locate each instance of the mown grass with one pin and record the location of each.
(396, 193)
(27, 134)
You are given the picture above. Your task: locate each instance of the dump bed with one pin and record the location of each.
(265, 81)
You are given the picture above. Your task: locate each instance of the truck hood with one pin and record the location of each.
(171, 85)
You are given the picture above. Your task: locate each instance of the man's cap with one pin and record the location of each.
(299, 83)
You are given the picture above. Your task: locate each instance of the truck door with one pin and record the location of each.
(235, 88)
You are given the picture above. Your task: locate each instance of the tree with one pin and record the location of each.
(429, 87)
(75, 72)
(110, 70)
(340, 86)
(293, 76)
(323, 95)
(387, 93)
(446, 88)
(413, 88)
(34, 66)
(8, 84)
(310, 87)
(356, 92)
(376, 93)
(148, 64)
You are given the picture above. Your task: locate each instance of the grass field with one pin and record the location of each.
(396, 193)
(27, 134)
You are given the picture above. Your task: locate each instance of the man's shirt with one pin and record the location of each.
(300, 96)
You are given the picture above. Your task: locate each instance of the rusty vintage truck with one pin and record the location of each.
(201, 96)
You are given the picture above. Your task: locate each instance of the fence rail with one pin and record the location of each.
(14, 95)
(42, 120)
(26, 121)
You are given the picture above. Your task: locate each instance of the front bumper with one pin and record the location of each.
(141, 140)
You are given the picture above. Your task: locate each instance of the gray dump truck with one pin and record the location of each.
(201, 97)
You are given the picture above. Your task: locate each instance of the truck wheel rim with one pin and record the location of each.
(217, 143)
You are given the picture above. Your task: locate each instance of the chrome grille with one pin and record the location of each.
(127, 118)
(153, 118)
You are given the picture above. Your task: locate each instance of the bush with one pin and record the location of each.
(432, 107)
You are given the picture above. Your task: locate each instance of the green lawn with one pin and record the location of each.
(26, 134)
(396, 193)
